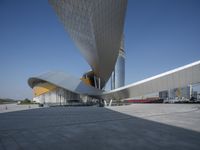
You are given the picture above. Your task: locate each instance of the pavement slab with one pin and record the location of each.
(137, 126)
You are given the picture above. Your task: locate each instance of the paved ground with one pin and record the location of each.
(147, 126)
(180, 115)
(14, 107)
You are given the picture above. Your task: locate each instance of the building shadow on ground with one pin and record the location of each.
(90, 128)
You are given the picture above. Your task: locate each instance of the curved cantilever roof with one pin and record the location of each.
(64, 81)
(96, 26)
(179, 77)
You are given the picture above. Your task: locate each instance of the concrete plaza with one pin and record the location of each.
(4, 108)
(137, 126)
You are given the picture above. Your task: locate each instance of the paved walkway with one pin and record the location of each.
(4, 108)
(127, 127)
(181, 115)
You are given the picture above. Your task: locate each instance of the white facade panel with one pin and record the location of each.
(180, 77)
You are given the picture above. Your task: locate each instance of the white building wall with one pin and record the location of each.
(180, 77)
(60, 96)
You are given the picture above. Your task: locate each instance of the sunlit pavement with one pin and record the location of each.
(14, 107)
(181, 115)
(138, 126)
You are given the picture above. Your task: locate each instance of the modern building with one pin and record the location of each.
(61, 89)
(96, 27)
(118, 75)
(177, 93)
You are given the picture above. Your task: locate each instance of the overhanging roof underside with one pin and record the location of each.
(96, 26)
(64, 81)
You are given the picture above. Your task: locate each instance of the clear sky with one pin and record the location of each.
(160, 35)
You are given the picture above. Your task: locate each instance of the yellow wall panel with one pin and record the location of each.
(43, 88)
(86, 81)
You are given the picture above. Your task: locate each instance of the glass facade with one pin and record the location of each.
(60, 96)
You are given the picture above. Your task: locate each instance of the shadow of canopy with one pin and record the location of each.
(89, 128)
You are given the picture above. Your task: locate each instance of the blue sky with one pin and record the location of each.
(159, 35)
